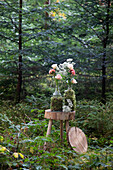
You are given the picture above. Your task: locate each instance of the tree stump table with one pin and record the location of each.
(76, 137)
(57, 115)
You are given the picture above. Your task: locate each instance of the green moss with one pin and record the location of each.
(70, 94)
(56, 103)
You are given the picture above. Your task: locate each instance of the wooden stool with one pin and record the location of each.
(57, 115)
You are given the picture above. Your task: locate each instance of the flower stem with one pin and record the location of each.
(57, 84)
(69, 83)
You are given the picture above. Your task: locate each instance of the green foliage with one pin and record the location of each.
(7, 88)
(46, 40)
(95, 118)
(25, 134)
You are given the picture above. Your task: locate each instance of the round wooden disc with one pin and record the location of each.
(77, 140)
(57, 115)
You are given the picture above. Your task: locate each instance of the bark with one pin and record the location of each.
(105, 41)
(46, 14)
(104, 74)
(19, 85)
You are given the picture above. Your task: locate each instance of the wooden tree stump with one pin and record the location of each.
(56, 115)
(75, 136)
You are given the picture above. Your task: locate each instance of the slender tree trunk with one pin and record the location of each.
(19, 85)
(46, 14)
(104, 56)
(104, 74)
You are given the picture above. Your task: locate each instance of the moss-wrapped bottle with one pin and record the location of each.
(69, 95)
(56, 101)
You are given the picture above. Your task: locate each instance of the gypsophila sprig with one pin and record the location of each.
(66, 108)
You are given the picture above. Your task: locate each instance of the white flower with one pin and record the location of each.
(74, 81)
(70, 66)
(54, 66)
(58, 77)
(65, 64)
(69, 59)
(70, 103)
(66, 109)
(73, 63)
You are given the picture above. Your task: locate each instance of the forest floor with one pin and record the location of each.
(23, 134)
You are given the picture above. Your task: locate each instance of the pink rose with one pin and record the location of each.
(74, 81)
(72, 72)
(58, 77)
(52, 71)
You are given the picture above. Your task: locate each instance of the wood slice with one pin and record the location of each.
(57, 115)
(77, 140)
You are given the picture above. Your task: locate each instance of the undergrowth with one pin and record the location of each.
(23, 134)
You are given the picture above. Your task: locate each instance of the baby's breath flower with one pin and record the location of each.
(69, 103)
(66, 108)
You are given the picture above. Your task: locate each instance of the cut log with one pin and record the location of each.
(77, 140)
(59, 115)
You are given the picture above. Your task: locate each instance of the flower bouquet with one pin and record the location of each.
(66, 72)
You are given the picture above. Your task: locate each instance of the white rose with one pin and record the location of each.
(54, 66)
(70, 66)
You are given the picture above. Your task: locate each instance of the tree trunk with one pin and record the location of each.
(104, 74)
(46, 14)
(104, 56)
(19, 85)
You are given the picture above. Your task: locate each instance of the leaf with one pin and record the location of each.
(21, 155)
(39, 167)
(32, 150)
(1, 138)
(63, 166)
